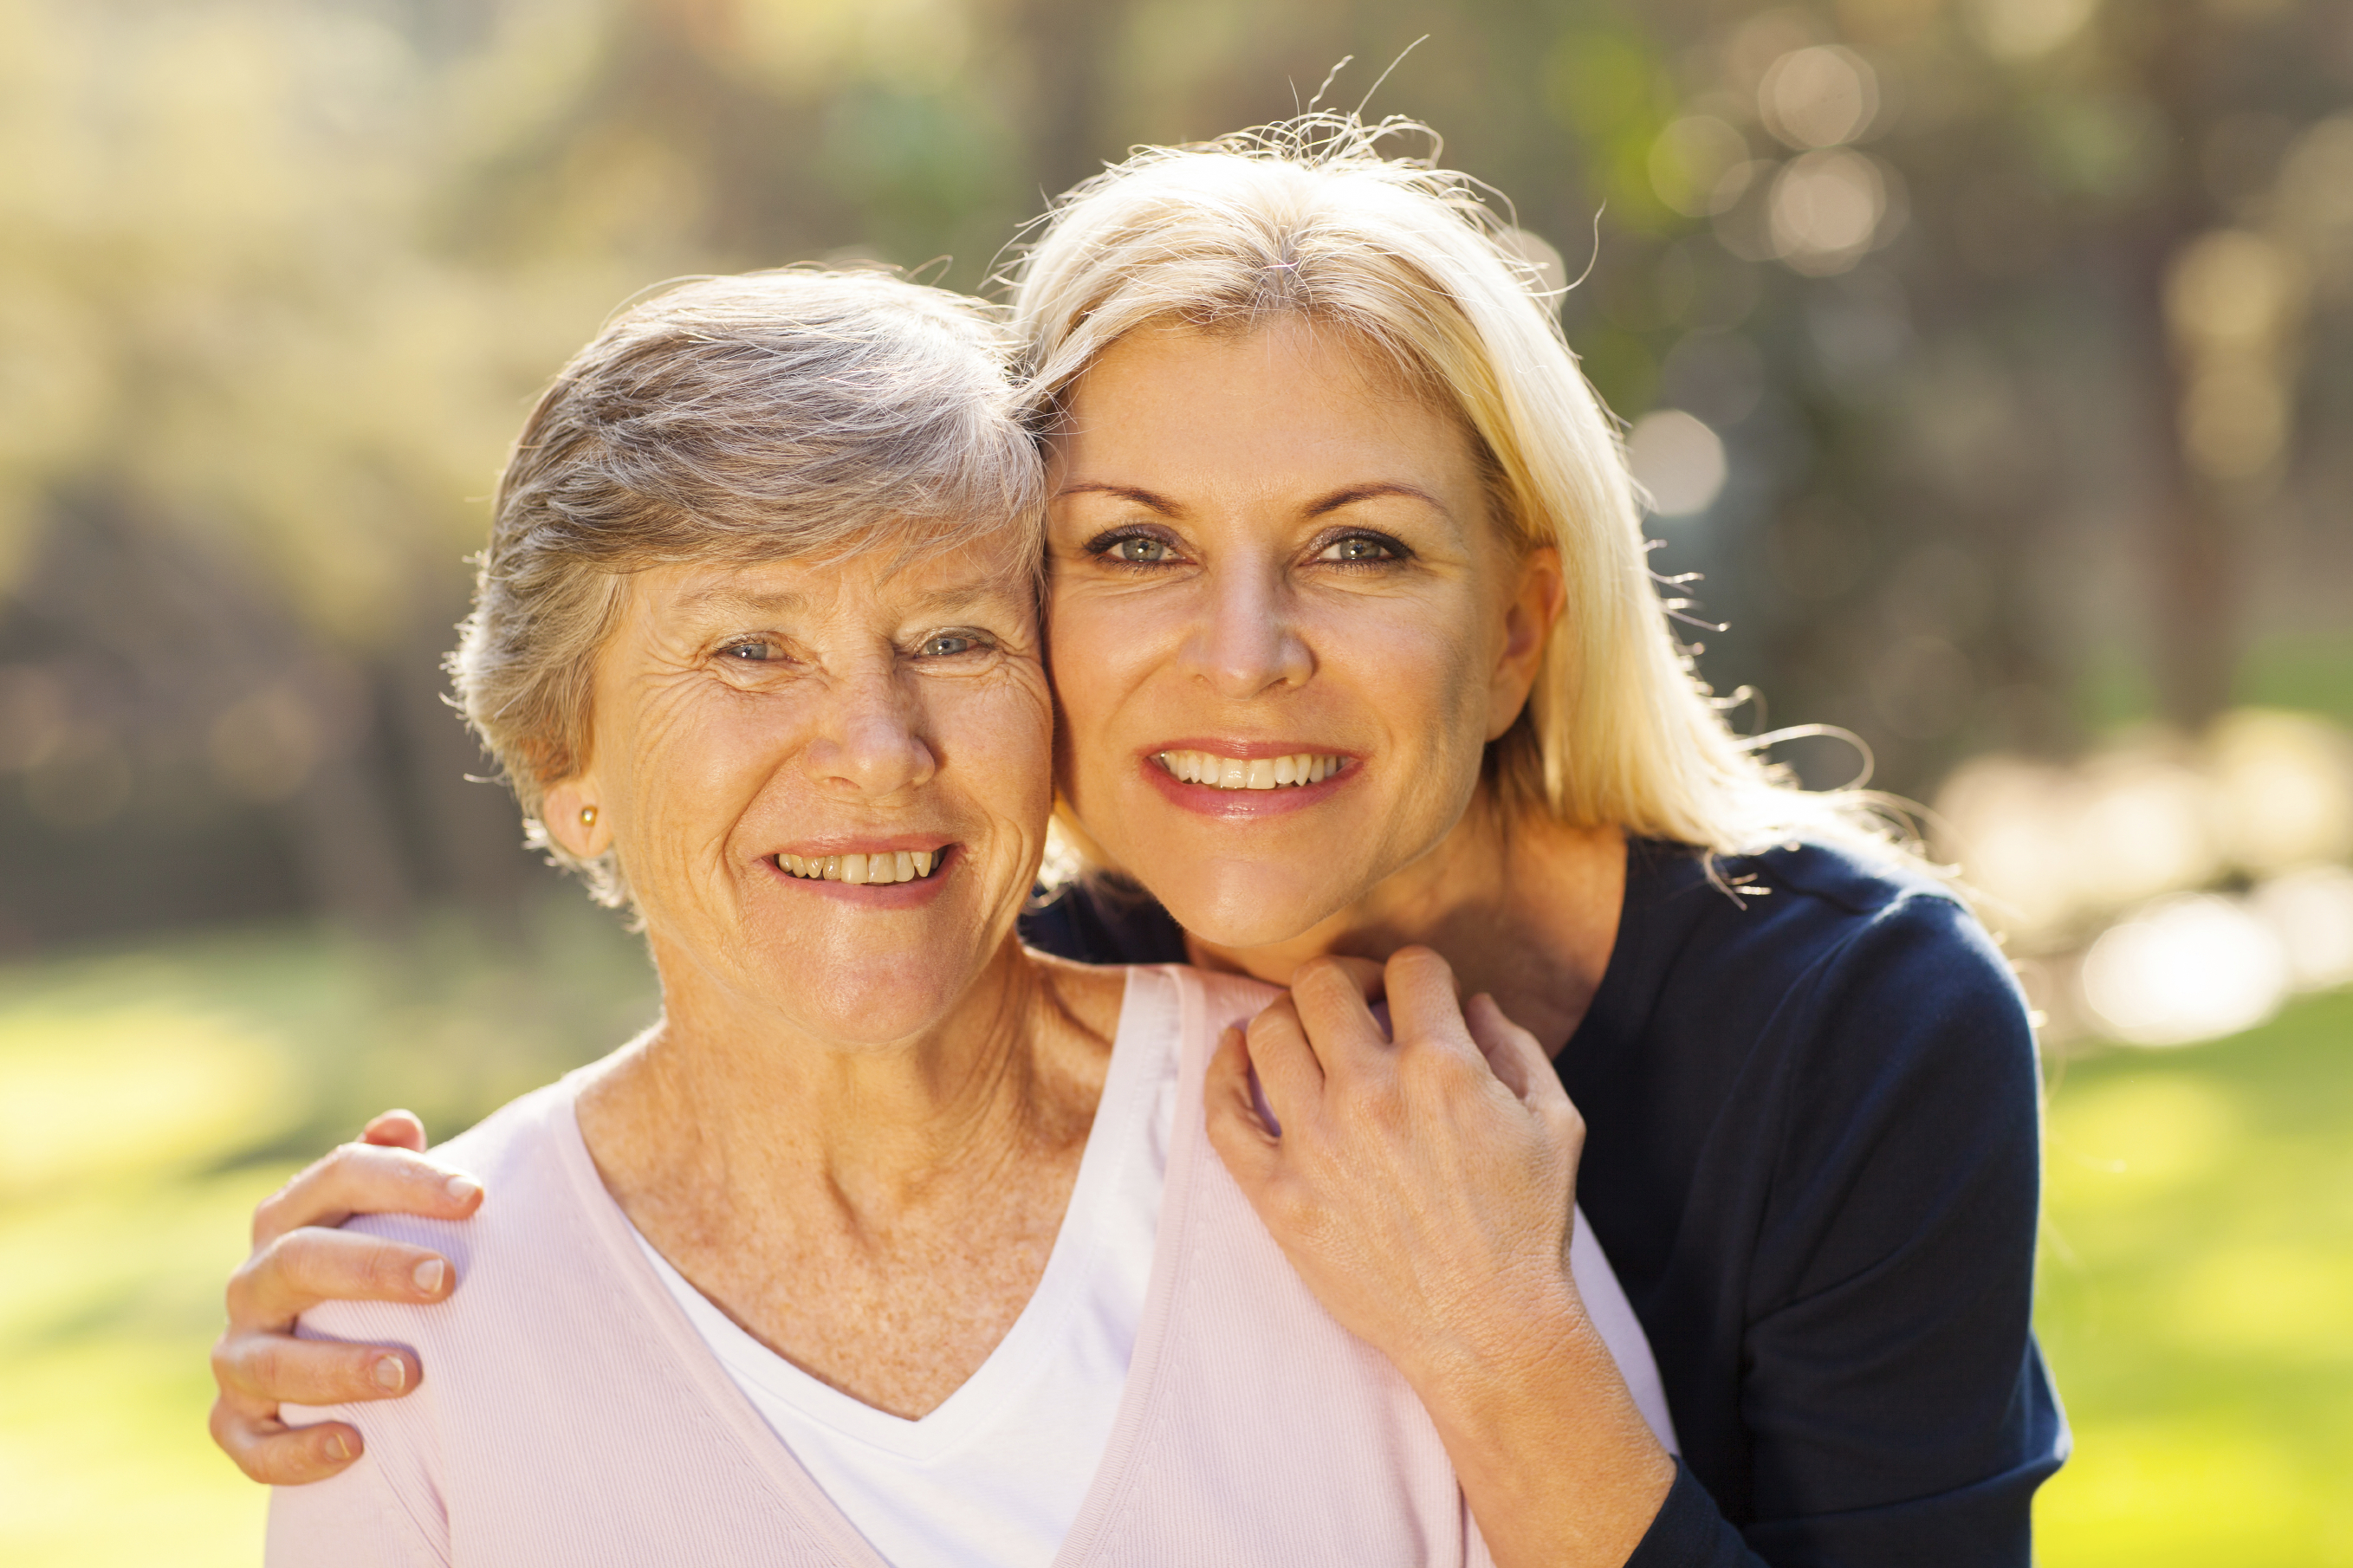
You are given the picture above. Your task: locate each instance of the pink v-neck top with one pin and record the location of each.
(572, 1414)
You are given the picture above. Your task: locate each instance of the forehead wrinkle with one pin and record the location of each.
(723, 596)
(729, 598)
(966, 595)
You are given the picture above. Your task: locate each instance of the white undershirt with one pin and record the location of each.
(996, 1475)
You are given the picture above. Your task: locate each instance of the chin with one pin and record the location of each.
(869, 1008)
(1245, 906)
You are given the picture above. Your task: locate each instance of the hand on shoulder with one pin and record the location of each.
(300, 1258)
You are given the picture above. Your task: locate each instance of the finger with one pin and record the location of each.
(1363, 973)
(1331, 998)
(1289, 1074)
(260, 1371)
(1424, 1006)
(1514, 1054)
(396, 1130)
(362, 1178)
(304, 1267)
(1249, 1148)
(270, 1452)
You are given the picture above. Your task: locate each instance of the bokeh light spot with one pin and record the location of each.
(1677, 460)
(2188, 968)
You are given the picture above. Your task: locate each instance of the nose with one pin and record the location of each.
(1246, 644)
(869, 742)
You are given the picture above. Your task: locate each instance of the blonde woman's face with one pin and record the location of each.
(1283, 624)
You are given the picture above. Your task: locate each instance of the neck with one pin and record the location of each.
(721, 1100)
(1525, 910)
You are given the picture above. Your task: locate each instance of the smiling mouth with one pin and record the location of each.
(865, 870)
(1248, 773)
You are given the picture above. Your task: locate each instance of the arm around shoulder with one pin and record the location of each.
(386, 1510)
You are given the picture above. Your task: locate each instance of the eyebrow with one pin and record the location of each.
(1355, 493)
(1346, 496)
(1135, 493)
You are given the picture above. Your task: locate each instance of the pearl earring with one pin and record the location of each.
(587, 817)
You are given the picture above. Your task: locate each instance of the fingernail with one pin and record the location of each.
(461, 1187)
(427, 1275)
(389, 1374)
(339, 1447)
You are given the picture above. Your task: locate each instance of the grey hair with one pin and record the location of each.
(772, 415)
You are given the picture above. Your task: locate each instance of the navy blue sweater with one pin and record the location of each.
(1812, 1156)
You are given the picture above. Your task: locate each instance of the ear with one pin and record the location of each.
(574, 819)
(1538, 599)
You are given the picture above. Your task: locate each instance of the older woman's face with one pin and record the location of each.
(1270, 558)
(829, 782)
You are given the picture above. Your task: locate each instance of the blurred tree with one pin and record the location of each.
(2006, 338)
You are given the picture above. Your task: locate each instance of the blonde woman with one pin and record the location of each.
(1356, 655)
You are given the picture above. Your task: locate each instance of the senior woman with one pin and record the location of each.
(1355, 649)
(892, 1241)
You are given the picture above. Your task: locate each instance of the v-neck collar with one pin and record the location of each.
(716, 1390)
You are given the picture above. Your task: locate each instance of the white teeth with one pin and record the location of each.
(871, 871)
(1252, 773)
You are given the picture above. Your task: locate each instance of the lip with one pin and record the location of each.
(1250, 751)
(883, 845)
(873, 895)
(1231, 805)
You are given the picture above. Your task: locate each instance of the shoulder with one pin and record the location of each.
(525, 1156)
(1802, 915)
(531, 1234)
(1849, 990)
(1891, 938)
(1902, 1050)
(355, 1520)
(390, 1508)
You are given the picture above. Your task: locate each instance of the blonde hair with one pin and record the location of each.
(1307, 220)
(776, 415)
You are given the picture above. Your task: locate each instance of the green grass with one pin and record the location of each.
(2198, 1299)
(2197, 1290)
(148, 1099)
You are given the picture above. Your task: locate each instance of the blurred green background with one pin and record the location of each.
(1988, 358)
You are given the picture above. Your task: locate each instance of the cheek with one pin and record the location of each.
(1001, 742)
(1415, 664)
(697, 761)
(1097, 646)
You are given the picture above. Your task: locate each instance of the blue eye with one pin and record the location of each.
(752, 650)
(1140, 550)
(947, 645)
(1361, 549)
